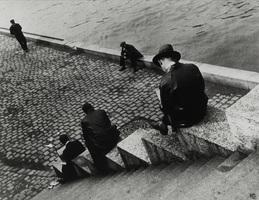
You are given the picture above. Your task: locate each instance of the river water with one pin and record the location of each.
(222, 32)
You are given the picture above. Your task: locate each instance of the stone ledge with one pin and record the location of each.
(132, 149)
(115, 161)
(46, 40)
(85, 161)
(163, 148)
(228, 76)
(211, 136)
(131, 161)
(218, 74)
(243, 118)
(231, 161)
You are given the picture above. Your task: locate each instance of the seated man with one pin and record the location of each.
(128, 51)
(70, 151)
(100, 136)
(183, 99)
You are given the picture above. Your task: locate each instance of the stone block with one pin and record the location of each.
(85, 162)
(243, 118)
(133, 151)
(228, 76)
(211, 136)
(163, 148)
(115, 161)
(231, 161)
(131, 161)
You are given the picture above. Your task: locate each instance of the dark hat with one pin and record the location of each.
(166, 51)
(87, 107)
(122, 44)
(63, 138)
(12, 21)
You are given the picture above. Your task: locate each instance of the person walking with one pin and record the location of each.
(182, 91)
(16, 30)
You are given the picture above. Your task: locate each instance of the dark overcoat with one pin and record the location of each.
(16, 30)
(72, 150)
(98, 131)
(130, 52)
(183, 97)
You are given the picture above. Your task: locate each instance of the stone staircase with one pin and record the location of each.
(150, 166)
(192, 179)
(205, 161)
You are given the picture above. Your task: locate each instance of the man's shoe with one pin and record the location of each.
(160, 127)
(122, 68)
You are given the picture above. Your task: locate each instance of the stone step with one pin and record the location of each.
(152, 181)
(108, 192)
(85, 162)
(218, 182)
(209, 137)
(132, 150)
(106, 186)
(115, 161)
(183, 177)
(145, 181)
(163, 148)
(161, 169)
(159, 178)
(243, 119)
(71, 189)
(231, 161)
(83, 190)
(185, 183)
(246, 188)
(133, 184)
(168, 175)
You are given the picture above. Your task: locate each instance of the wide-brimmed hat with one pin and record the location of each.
(166, 50)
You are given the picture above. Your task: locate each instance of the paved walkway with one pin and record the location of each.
(41, 97)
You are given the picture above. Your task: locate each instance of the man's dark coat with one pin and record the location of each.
(16, 30)
(72, 150)
(130, 52)
(100, 137)
(97, 129)
(182, 95)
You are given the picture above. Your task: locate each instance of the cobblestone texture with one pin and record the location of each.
(41, 94)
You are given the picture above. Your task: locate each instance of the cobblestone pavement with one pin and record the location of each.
(41, 94)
